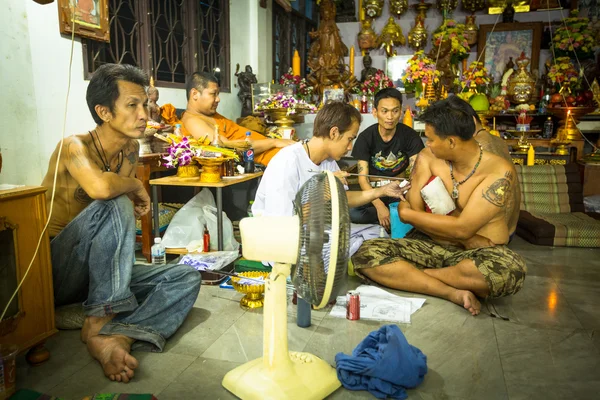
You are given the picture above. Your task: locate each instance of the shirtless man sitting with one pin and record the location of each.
(92, 230)
(460, 256)
(201, 117)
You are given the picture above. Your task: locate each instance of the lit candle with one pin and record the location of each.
(352, 60)
(296, 63)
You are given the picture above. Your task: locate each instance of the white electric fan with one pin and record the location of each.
(316, 242)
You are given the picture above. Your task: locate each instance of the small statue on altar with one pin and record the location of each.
(367, 38)
(391, 36)
(521, 85)
(153, 108)
(444, 63)
(245, 81)
(368, 70)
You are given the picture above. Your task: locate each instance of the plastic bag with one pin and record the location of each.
(188, 223)
(229, 242)
(210, 261)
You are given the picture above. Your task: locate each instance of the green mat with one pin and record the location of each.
(26, 394)
(243, 265)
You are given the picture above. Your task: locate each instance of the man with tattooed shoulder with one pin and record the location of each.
(92, 231)
(463, 255)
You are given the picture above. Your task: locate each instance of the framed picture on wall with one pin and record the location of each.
(331, 94)
(395, 68)
(89, 16)
(496, 46)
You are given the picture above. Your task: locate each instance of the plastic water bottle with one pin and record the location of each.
(548, 129)
(250, 208)
(159, 257)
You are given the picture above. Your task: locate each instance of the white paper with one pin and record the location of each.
(380, 305)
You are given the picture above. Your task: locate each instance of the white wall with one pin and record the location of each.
(34, 75)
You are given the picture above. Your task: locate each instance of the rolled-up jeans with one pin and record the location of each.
(93, 261)
(367, 214)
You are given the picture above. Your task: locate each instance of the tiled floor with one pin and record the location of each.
(550, 348)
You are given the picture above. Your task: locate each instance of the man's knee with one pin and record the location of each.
(186, 274)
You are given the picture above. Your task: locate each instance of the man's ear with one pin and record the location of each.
(334, 133)
(452, 142)
(103, 112)
(194, 94)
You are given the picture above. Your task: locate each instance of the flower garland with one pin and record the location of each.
(303, 90)
(179, 153)
(574, 38)
(562, 73)
(477, 74)
(419, 70)
(450, 30)
(282, 101)
(374, 83)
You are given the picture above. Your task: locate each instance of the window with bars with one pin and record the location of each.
(290, 32)
(169, 39)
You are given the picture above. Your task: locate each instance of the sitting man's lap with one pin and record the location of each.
(503, 269)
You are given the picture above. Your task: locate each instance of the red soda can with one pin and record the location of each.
(353, 305)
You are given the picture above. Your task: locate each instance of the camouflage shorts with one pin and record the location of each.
(503, 269)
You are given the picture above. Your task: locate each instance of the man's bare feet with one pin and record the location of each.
(112, 352)
(466, 299)
(92, 325)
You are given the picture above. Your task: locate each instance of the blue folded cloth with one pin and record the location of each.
(384, 363)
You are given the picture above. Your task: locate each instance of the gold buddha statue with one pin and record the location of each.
(521, 85)
(391, 36)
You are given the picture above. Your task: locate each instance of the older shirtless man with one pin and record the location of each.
(92, 228)
(201, 117)
(460, 256)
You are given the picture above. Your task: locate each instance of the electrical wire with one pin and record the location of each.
(37, 248)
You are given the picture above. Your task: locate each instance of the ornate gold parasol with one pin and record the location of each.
(569, 118)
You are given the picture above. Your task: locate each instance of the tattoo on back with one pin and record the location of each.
(81, 196)
(498, 192)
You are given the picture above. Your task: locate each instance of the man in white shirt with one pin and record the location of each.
(336, 127)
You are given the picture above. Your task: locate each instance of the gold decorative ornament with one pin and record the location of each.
(211, 168)
(417, 37)
(190, 171)
(398, 7)
(391, 36)
(373, 8)
(473, 5)
(471, 29)
(521, 86)
(367, 38)
(253, 291)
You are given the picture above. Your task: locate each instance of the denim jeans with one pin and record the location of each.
(367, 214)
(93, 261)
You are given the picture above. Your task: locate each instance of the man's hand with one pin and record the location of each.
(383, 215)
(141, 202)
(341, 175)
(284, 142)
(402, 208)
(477, 242)
(393, 189)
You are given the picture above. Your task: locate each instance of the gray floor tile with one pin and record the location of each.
(547, 363)
(540, 303)
(201, 380)
(155, 372)
(67, 356)
(583, 298)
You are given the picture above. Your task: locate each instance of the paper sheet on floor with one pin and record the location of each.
(379, 305)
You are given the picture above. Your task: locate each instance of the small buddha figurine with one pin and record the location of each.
(391, 36)
(153, 108)
(367, 70)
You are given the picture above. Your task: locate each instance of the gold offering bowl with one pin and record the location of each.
(253, 292)
(211, 168)
(280, 117)
(483, 116)
(567, 129)
(190, 171)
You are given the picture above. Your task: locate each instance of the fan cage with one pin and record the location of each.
(313, 204)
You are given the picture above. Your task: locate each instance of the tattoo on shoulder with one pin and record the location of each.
(360, 168)
(81, 196)
(498, 192)
(413, 166)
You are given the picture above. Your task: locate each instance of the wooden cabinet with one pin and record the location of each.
(30, 317)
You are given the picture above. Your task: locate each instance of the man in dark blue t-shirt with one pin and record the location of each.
(386, 148)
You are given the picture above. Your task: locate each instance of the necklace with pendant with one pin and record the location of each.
(456, 183)
(103, 154)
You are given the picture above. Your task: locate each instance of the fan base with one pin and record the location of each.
(308, 377)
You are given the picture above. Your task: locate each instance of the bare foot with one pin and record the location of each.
(92, 325)
(112, 352)
(467, 300)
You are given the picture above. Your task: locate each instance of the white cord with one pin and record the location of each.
(55, 173)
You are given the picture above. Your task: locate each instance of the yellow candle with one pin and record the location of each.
(352, 60)
(296, 63)
(530, 156)
(361, 11)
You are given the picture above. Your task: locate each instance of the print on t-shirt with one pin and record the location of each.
(392, 163)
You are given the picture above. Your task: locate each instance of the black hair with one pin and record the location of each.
(449, 120)
(335, 113)
(457, 102)
(103, 88)
(388, 93)
(199, 81)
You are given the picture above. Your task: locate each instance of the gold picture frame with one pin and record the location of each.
(91, 18)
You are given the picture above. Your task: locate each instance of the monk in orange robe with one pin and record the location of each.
(202, 120)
